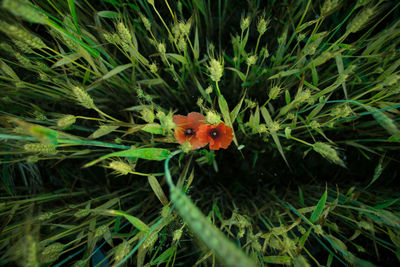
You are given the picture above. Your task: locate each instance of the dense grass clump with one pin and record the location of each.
(92, 174)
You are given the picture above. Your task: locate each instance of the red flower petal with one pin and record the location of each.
(218, 136)
(191, 123)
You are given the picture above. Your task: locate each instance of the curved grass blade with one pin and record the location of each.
(142, 153)
(71, 4)
(132, 219)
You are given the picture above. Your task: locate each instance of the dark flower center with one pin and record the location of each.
(189, 132)
(214, 133)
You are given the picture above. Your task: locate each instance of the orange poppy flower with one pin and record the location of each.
(219, 136)
(187, 128)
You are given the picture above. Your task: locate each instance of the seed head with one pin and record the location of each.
(184, 28)
(22, 35)
(176, 31)
(124, 33)
(318, 229)
(311, 48)
(182, 43)
(341, 111)
(274, 92)
(262, 26)
(186, 147)
(200, 102)
(250, 104)
(83, 97)
(212, 117)
(303, 96)
(120, 167)
(360, 20)
(384, 120)
(216, 69)
(150, 240)
(25, 10)
(121, 251)
(147, 114)
(108, 37)
(51, 252)
(125, 47)
(261, 128)
(167, 122)
(328, 152)
(209, 90)
(23, 60)
(274, 127)
(71, 44)
(101, 231)
(315, 125)
(328, 6)
(251, 60)
(116, 39)
(244, 23)
(146, 22)
(153, 68)
(40, 148)
(160, 115)
(161, 48)
(66, 121)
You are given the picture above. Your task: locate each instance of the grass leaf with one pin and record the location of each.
(223, 106)
(319, 208)
(132, 219)
(71, 4)
(109, 14)
(142, 153)
(116, 70)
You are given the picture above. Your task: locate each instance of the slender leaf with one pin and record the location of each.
(319, 208)
(71, 4)
(223, 105)
(116, 70)
(108, 14)
(132, 219)
(142, 153)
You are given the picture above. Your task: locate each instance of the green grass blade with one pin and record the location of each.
(132, 219)
(71, 4)
(319, 208)
(142, 153)
(223, 106)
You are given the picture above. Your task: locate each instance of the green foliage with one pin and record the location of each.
(88, 94)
